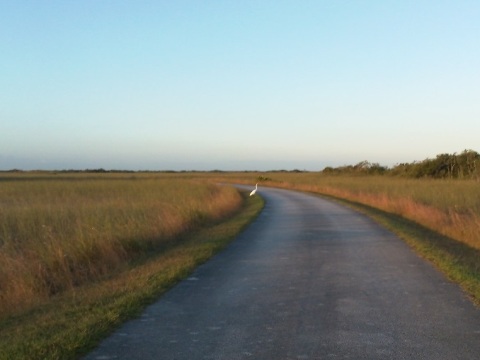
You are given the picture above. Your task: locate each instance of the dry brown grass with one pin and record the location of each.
(59, 233)
(462, 225)
(450, 207)
(72, 323)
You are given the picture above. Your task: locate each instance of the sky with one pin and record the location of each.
(236, 85)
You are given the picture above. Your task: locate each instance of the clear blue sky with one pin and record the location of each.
(236, 85)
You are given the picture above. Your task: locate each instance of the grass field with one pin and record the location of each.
(57, 233)
(132, 237)
(80, 253)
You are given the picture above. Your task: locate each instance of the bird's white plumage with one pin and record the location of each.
(254, 190)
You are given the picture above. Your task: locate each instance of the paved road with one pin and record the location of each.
(309, 279)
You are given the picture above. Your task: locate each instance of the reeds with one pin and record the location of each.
(59, 233)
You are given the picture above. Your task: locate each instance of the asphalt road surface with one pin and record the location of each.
(308, 279)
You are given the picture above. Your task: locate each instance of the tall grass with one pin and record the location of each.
(59, 233)
(450, 207)
(72, 323)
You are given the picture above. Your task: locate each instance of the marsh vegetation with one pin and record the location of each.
(59, 233)
(80, 252)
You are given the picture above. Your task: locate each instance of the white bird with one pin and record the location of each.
(255, 190)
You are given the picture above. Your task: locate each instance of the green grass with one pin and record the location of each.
(73, 322)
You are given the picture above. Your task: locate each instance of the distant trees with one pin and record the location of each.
(362, 168)
(465, 165)
(468, 164)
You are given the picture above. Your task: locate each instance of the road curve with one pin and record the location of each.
(308, 279)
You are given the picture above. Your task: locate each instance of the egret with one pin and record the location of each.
(255, 190)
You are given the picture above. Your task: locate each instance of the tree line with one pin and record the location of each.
(465, 165)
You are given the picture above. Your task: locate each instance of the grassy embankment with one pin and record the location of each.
(440, 219)
(79, 254)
